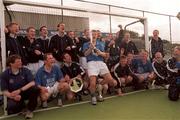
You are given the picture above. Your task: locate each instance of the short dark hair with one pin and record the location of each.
(85, 30)
(127, 32)
(156, 30)
(45, 55)
(12, 59)
(143, 50)
(31, 27)
(123, 57)
(176, 47)
(12, 23)
(60, 24)
(93, 30)
(69, 32)
(130, 53)
(63, 56)
(40, 29)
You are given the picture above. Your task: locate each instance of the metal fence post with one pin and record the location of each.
(3, 45)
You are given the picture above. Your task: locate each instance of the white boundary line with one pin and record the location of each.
(69, 105)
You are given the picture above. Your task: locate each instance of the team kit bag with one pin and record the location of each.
(173, 92)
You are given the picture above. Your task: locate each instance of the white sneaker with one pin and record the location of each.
(166, 87)
(99, 89)
(159, 87)
(44, 104)
(152, 87)
(59, 102)
(100, 98)
(156, 87)
(29, 115)
(23, 112)
(93, 100)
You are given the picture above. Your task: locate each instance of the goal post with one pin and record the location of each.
(45, 5)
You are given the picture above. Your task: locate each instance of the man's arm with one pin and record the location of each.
(89, 50)
(24, 88)
(135, 50)
(27, 86)
(81, 71)
(161, 48)
(103, 54)
(8, 94)
(38, 82)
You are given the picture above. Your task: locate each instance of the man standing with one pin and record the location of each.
(13, 42)
(120, 35)
(94, 52)
(18, 85)
(60, 43)
(113, 51)
(156, 44)
(127, 46)
(75, 46)
(32, 50)
(44, 39)
(85, 38)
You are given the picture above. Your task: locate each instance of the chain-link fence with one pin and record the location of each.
(79, 15)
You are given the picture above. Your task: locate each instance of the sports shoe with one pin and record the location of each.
(99, 89)
(156, 87)
(100, 98)
(93, 100)
(78, 97)
(119, 92)
(166, 87)
(59, 102)
(44, 104)
(29, 115)
(153, 87)
(146, 84)
(85, 92)
(23, 112)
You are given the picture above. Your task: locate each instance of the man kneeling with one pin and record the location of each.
(49, 79)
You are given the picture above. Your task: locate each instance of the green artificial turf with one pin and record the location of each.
(147, 105)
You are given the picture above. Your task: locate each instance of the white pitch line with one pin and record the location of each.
(69, 105)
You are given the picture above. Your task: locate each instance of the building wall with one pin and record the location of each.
(35, 19)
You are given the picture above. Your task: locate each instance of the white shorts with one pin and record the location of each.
(53, 91)
(83, 62)
(96, 68)
(145, 75)
(33, 67)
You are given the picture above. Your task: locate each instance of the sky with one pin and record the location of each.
(171, 7)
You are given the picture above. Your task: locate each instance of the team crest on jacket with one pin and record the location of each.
(11, 81)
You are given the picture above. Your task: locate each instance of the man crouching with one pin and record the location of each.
(49, 79)
(18, 85)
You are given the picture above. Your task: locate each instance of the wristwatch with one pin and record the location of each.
(21, 90)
